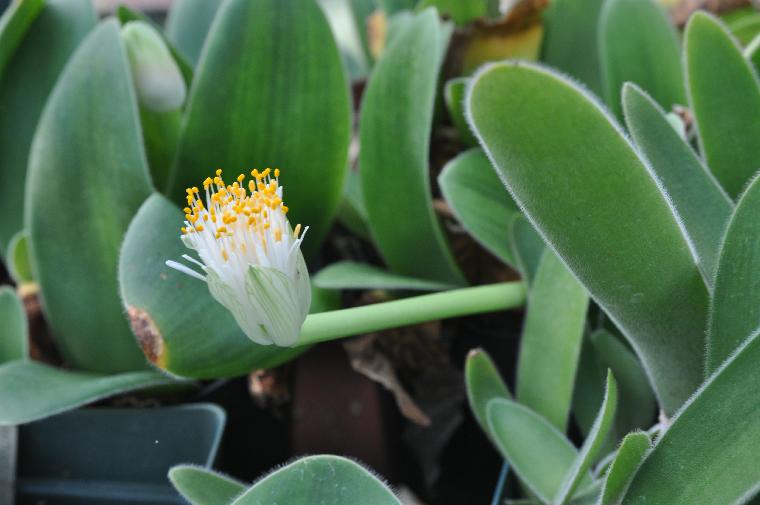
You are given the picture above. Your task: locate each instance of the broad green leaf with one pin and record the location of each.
(268, 95)
(187, 24)
(551, 341)
(350, 275)
(18, 261)
(179, 326)
(14, 338)
(204, 487)
(325, 479)
(571, 42)
(453, 94)
(539, 454)
(30, 390)
(698, 199)
(637, 406)
(75, 240)
(527, 247)
(736, 300)
(14, 24)
(24, 88)
(480, 202)
(463, 11)
(638, 43)
(629, 456)
(396, 122)
(484, 383)
(592, 444)
(709, 452)
(726, 122)
(587, 191)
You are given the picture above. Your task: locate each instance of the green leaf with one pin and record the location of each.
(480, 201)
(14, 332)
(350, 275)
(187, 24)
(266, 94)
(319, 479)
(204, 487)
(709, 452)
(180, 327)
(637, 406)
(726, 121)
(24, 88)
(551, 341)
(650, 57)
(588, 391)
(460, 11)
(483, 383)
(30, 390)
(592, 444)
(735, 305)
(75, 247)
(702, 205)
(602, 212)
(19, 262)
(527, 247)
(453, 94)
(571, 42)
(396, 122)
(744, 24)
(629, 456)
(539, 454)
(14, 24)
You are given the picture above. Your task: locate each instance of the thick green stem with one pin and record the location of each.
(418, 309)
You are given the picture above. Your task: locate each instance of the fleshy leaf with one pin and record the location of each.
(480, 202)
(268, 95)
(590, 195)
(204, 487)
(75, 247)
(484, 383)
(14, 338)
(551, 341)
(24, 88)
(350, 275)
(650, 58)
(30, 390)
(709, 452)
(629, 456)
(319, 479)
(726, 122)
(396, 122)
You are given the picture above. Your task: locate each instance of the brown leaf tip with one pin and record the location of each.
(148, 337)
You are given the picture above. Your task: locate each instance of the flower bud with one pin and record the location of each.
(157, 78)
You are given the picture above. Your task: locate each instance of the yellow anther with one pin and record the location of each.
(207, 182)
(224, 255)
(199, 227)
(277, 235)
(184, 230)
(218, 172)
(187, 210)
(195, 189)
(276, 172)
(285, 208)
(297, 231)
(241, 177)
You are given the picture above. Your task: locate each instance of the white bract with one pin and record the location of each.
(250, 255)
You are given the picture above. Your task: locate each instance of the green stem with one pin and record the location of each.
(418, 309)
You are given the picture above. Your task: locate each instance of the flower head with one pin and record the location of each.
(250, 255)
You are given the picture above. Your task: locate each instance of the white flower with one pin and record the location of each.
(250, 255)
